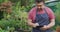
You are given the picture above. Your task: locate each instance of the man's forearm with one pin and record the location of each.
(32, 24)
(52, 23)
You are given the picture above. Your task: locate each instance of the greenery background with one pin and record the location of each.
(18, 17)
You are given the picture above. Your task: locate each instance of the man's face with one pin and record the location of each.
(40, 5)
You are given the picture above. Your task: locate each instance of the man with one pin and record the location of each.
(41, 18)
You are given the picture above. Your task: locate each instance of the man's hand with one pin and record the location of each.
(51, 24)
(35, 25)
(45, 27)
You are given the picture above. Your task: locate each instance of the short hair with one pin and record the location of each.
(38, 1)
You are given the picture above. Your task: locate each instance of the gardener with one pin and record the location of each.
(41, 18)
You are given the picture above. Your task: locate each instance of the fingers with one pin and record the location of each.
(35, 25)
(44, 27)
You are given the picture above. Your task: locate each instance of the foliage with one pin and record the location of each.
(17, 18)
(3, 30)
(57, 13)
(19, 14)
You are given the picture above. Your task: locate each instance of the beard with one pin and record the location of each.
(40, 9)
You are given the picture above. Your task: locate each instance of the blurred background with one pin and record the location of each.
(14, 13)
